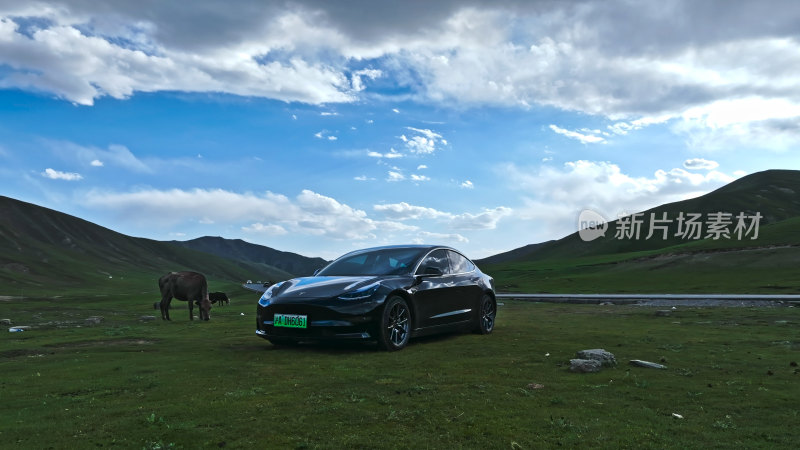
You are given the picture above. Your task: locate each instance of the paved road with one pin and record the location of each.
(662, 299)
(254, 287)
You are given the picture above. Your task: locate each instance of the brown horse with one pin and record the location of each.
(190, 287)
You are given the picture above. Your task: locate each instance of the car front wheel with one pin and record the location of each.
(395, 329)
(486, 316)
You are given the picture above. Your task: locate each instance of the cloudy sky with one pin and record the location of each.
(318, 127)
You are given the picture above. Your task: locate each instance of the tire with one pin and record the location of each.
(486, 315)
(395, 326)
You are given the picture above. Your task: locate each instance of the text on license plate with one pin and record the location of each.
(290, 320)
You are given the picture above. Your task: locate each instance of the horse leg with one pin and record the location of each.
(191, 308)
(164, 304)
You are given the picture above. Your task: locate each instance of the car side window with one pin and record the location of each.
(435, 263)
(459, 263)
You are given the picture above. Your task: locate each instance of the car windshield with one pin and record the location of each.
(387, 261)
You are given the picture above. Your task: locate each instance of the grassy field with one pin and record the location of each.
(131, 383)
(750, 271)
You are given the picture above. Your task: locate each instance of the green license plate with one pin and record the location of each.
(289, 320)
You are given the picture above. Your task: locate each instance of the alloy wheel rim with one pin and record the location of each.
(488, 315)
(398, 324)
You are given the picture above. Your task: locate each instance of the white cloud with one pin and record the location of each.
(395, 110)
(96, 163)
(424, 142)
(309, 213)
(486, 220)
(357, 78)
(466, 184)
(324, 134)
(57, 175)
(422, 166)
(363, 178)
(426, 237)
(406, 211)
(391, 154)
(583, 138)
(686, 58)
(753, 122)
(395, 176)
(415, 177)
(87, 55)
(553, 196)
(700, 163)
(267, 229)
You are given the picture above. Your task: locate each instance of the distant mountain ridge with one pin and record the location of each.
(239, 250)
(774, 194)
(42, 250)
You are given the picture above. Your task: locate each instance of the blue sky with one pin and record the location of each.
(320, 127)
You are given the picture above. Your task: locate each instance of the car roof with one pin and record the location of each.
(389, 247)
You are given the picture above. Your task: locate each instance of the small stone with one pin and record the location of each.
(5, 321)
(535, 386)
(94, 320)
(145, 318)
(605, 358)
(584, 365)
(647, 364)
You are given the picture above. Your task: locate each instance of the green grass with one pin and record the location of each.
(129, 383)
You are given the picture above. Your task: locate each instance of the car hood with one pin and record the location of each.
(321, 287)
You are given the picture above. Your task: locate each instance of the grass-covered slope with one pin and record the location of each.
(611, 265)
(44, 251)
(775, 194)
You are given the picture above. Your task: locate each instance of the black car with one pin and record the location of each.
(384, 294)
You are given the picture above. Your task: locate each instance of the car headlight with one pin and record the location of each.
(267, 295)
(360, 294)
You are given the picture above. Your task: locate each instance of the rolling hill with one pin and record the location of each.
(43, 251)
(612, 265)
(775, 194)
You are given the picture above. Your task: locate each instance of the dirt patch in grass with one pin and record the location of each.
(19, 353)
(102, 343)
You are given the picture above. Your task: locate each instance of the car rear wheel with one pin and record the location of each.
(486, 316)
(395, 327)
